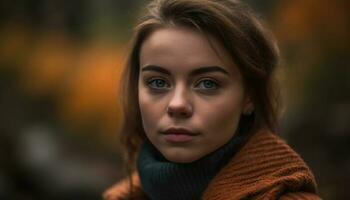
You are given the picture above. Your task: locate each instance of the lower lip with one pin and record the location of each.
(178, 137)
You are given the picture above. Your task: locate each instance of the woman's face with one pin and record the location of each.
(190, 96)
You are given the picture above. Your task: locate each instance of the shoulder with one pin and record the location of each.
(118, 191)
(121, 190)
(271, 156)
(300, 195)
(265, 166)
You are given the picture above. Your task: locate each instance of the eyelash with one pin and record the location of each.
(216, 85)
(212, 81)
(152, 80)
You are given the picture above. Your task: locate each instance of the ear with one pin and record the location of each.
(248, 106)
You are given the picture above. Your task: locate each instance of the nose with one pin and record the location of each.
(180, 105)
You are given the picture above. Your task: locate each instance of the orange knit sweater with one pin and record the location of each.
(265, 168)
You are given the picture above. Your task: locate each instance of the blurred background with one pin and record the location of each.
(60, 63)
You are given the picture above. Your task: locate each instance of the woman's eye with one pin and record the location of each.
(207, 84)
(158, 84)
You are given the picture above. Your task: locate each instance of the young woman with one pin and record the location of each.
(200, 109)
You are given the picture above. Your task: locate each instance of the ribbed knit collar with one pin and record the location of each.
(264, 168)
(164, 180)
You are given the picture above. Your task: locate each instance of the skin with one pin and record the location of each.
(208, 103)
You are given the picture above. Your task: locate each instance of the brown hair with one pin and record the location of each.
(239, 31)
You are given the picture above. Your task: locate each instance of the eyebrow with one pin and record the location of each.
(201, 70)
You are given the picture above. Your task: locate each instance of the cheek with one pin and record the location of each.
(222, 115)
(151, 112)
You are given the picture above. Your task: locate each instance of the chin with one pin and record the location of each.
(180, 157)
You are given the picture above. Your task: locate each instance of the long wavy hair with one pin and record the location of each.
(240, 32)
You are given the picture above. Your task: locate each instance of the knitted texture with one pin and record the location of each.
(264, 168)
(187, 180)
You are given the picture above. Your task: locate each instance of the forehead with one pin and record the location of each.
(183, 49)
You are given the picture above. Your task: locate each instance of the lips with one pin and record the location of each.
(179, 135)
(179, 131)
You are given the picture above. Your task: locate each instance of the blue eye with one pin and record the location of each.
(207, 84)
(158, 84)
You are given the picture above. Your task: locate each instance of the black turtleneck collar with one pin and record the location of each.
(165, 180)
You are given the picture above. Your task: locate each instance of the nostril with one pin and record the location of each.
(182, 112)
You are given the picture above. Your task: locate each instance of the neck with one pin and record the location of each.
(162, 179)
